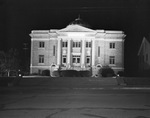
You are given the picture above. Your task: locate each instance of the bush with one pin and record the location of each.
(69, 73)
(106, 71)
(85, 73)
(46, 72)
(55, 74)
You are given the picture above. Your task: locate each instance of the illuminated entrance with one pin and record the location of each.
(76, 60)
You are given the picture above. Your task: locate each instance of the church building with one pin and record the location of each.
(76, 47)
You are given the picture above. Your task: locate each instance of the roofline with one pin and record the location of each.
(141, 45)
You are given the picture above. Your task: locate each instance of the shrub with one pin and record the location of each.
(55, 74)
(46, 72)
(106, 71)
(69, 73)
(85, 73)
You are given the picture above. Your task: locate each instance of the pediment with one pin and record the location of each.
(76, 28)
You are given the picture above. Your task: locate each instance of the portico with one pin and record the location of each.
(77, 53)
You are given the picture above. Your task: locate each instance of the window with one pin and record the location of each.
(41, 44)
(54, 50)
(88, 44)
(64, 44)
(112, 45)
(41, 58)
(112, 60)
(98, 51)
(76, 44)
(87, 59)
(76, 59)
(64, 60)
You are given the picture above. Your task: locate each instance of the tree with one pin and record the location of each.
(9, 61)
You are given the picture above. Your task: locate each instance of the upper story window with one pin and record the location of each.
(112, 45)
(64, 44)
(41, 44)
(41, 58)
(88, 44)
(53, 50)
(99, 51)
(76, 44)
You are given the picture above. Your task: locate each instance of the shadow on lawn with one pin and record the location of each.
(9, 81)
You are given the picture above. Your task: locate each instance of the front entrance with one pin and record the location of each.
(76, 60)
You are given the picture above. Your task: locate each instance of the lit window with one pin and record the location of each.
(41, 58)
(112, 60)
(112, 45)
(41, 44)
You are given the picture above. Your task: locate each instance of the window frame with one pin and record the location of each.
(54, 50)
(112, 60)
(88, 57)
(64, 57)
(41, 59)
(41, 44)
(76, 44)
(64, 44)
(76, 59)
(112, 45)
(88, 44)
(98, 52)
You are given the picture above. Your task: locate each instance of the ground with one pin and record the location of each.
(74, 98)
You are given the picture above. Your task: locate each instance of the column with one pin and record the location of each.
(93, 52)
(83, 54)
(59, 52)
(68, 53)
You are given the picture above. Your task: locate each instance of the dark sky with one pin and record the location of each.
(19, 17)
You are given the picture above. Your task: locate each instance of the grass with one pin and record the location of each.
(72, 81)
(137, 81)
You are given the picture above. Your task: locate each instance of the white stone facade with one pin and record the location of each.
(76, 47)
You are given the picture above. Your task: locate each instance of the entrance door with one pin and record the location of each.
(76, 60)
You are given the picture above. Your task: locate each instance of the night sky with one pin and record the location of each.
(19, 17)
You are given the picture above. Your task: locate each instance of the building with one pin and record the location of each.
(144, 55)
(76, 47)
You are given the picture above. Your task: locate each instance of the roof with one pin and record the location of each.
(79, 21)
(142, 43)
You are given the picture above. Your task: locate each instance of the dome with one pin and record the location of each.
(80, 22)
